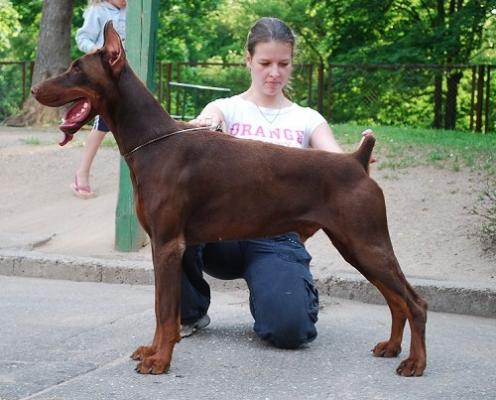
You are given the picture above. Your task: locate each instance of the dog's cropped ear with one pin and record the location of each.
(113, 49)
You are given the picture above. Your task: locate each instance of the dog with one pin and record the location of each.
(193, 185)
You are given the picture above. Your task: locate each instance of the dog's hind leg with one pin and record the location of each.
(362, 238)
(167, 258)
(380, 267)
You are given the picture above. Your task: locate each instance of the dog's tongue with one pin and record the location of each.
(74, 119)
(66, 139)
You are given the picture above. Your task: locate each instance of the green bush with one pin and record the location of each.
(10, 89)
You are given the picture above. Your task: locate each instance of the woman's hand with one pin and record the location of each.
(365, 133)
(207, 120)
(210, 117)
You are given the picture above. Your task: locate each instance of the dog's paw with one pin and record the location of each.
(153, 365)
(386, 349)
(411, 367)
(142, 352)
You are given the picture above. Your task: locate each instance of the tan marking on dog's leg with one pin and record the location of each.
(167, 266)
(375, 259)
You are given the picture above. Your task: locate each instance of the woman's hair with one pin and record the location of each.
(268, 29)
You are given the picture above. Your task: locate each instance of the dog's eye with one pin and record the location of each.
(76, 68)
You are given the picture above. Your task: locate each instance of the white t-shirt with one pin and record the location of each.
(290, 126)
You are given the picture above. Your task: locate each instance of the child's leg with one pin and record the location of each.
(93, 142)
(81, 185)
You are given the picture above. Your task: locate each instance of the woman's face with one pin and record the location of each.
(270, 67)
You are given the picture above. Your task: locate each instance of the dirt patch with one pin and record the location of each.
(433, 231)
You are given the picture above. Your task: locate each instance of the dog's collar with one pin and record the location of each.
(166, 135)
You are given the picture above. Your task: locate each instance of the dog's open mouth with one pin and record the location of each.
(77, 115)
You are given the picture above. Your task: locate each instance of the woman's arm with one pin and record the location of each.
(211, 116)
(323, 139)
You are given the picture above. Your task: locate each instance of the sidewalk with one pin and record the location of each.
(47, 233)
(72, 340)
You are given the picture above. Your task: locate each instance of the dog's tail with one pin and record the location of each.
(364, 152)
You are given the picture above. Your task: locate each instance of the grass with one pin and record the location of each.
(33, 141)
(398, 148)
(107, 143)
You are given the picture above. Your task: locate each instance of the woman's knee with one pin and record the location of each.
(283, 299)
(289, 333)
(287, 321)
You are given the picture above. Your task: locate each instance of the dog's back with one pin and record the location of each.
(246, 183)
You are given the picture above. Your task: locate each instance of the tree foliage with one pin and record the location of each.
(393, 31)
(10, 26)
(184, 30)
(329, 31)
(23, 45)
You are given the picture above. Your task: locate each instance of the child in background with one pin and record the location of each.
(89, 38)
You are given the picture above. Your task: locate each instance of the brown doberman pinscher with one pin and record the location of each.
(195, 186)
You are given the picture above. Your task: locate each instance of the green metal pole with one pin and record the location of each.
(141, 27)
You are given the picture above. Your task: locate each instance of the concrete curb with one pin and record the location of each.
(82, 269)
(442, 296)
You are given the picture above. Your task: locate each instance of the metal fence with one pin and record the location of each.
(415, 95)
(190, 99)
(387, 94)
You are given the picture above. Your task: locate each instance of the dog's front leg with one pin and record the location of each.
(167, 258)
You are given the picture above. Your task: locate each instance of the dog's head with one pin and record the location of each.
(89, 83)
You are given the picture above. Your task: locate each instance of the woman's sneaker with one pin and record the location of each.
(189, 329)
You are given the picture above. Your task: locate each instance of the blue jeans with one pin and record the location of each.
(283, 299)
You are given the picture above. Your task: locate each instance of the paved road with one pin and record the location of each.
(69, 340)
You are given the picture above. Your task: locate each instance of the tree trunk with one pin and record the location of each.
(438, 24)
(480, 99)
(52, 58)
(438, 100)
(452, 82)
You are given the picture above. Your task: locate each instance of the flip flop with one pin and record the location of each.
(82, 192)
